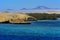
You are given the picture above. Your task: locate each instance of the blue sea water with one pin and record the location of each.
(37, 30)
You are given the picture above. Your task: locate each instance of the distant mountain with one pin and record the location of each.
(36, 8)
(41, 7)
(24, 9)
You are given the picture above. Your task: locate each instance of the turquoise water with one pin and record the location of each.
(48, 29)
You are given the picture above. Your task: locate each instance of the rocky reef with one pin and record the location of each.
(15, 18)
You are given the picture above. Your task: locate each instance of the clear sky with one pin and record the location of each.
(18, 4)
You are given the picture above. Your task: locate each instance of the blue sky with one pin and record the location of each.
(18, 4)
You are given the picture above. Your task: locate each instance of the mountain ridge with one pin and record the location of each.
(39, 7)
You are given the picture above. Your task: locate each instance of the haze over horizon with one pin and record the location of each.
(29, 4)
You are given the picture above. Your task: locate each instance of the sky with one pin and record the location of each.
(19, 4)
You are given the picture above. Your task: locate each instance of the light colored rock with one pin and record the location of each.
(15, 18)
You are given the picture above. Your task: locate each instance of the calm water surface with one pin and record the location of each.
(38, 30)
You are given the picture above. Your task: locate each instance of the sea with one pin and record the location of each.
(37, 30)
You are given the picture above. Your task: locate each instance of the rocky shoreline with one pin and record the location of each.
(17, 18)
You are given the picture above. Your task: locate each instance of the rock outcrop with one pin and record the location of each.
(15, 17)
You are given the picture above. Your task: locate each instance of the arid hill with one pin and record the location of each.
(15, 17)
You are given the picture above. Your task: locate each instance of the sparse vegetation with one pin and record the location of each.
(43, 16)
